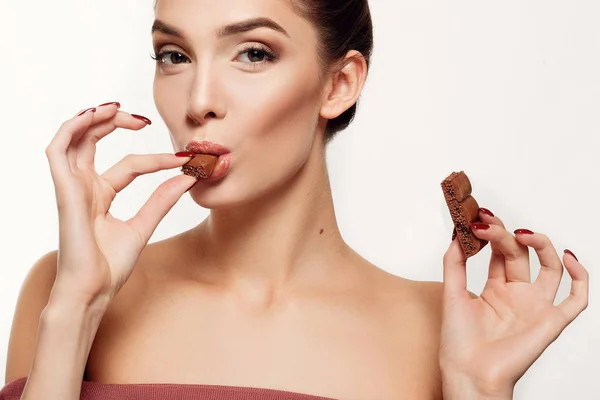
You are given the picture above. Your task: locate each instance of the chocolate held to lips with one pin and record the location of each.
(201, 166)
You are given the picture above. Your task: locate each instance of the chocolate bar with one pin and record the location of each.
(201, 166)
(463, 210)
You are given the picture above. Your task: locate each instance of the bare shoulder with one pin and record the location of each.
(427, 296)
(33, 298)
(34, 295)
(430, 295)
(421, 300)
(419, 303)
(411, 314)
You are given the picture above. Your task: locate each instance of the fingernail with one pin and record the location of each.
(478, 225)
(93, 109)
(116, 103)
(523, 231)
(571, 253)
(185, 154)
(454, 234)
(142, 118)
(486, 211)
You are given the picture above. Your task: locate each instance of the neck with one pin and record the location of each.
(290, 235)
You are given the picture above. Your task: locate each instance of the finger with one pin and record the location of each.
(551, 268)
(158, 205)
(516, 255)
(131, 166)
(101, 113)
(577, 301)
(497, 267)
(86, 151)
(488, 217)
(56, 151)
(455, 273)
(496, 270)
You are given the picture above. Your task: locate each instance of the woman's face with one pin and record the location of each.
(253, 88)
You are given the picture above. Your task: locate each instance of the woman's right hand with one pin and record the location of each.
(97, 252)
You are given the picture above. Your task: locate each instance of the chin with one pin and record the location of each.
(211, 197)
(228, 194)
(217, 195)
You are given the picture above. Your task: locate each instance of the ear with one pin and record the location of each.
(344, 86)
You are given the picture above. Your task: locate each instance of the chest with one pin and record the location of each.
(302, 347)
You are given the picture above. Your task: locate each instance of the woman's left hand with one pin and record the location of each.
(489, 342)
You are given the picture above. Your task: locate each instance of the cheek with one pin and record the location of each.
(278, 121)
(276, 107)
(158, 89)
(170, 101)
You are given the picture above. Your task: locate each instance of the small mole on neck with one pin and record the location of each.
(321, 232)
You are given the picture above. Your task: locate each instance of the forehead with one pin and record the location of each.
(198, 16)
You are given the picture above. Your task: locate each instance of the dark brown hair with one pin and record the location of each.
(341, 25)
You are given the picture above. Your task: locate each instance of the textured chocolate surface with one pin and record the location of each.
(463, 210)
(201, 166)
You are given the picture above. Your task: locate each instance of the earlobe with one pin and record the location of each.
(345, 86)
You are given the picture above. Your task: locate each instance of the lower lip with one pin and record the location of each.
(220, 170)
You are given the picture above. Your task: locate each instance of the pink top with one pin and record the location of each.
(165, 391)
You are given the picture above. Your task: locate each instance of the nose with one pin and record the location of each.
(206, 100)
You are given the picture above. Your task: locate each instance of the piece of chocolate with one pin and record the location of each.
(201, 166)
(463, 210)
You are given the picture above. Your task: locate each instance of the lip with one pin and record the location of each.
(215, 149)
(220, 171)
(206, 147)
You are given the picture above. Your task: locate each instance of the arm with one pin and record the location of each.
(51, 336)
(65, 296)
(66, 333)
(33, 298)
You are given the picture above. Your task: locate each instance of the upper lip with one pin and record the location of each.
(206, 147)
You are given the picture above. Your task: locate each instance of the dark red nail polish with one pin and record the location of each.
(142, 118)
(116, 103)
(93, 109)
(571, 253)
(479, 225)
(454, 234)
(523, 231)
(185, 154)
(486, 211)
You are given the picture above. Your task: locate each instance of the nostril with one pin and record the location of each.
(197, 121)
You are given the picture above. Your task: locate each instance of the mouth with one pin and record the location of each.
(206, 147)
(214, 149)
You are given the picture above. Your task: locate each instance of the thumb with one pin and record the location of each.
(455, 272)
(158, 205)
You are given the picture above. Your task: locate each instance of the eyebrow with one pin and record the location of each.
(227, 30)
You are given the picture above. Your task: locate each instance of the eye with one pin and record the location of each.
(169, 57)
(256, 55)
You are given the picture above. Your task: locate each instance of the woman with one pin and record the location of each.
(264, 293)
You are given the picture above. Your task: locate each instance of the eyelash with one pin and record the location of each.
(269, 56)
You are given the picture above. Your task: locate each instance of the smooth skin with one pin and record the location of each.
(487, 342)
(264, 292)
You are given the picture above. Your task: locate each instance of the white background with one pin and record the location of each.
(506, 91)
